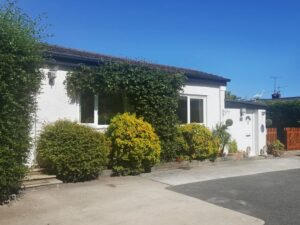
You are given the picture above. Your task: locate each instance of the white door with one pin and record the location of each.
(249, 132)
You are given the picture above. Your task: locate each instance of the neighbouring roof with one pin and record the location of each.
(237, 104)
(57, 55)
(281, 99)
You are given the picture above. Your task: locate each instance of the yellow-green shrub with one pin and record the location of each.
(135, 145)
(71, 151)
(196, 142)
(232, 147)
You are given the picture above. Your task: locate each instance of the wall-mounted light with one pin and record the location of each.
(51, 77)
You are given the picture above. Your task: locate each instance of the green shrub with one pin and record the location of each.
(197, 142)
(135, 146)
(71, 151)
(20, 59)
(220, 132)
(276, 148)
(232, 147)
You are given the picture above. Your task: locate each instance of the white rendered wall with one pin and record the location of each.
(214, 100)
(52, 104)
(247, 133)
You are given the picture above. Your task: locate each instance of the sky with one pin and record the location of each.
(246, 41)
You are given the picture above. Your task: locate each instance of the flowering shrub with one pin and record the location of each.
(196, 142)
(135, 145)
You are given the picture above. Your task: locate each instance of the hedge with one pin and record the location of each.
(20, 59)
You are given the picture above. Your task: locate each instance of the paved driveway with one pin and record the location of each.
(273, 197)
(114, 201)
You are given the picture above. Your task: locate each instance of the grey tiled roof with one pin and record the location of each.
(72, 57)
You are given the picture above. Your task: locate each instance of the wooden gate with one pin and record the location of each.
(292, 138)
(271, 135)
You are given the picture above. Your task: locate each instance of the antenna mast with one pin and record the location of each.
(276, 93)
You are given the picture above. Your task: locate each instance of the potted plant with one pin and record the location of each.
(233, 152)
(276, 149)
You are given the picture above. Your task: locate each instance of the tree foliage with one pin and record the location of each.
(20, 79)
(283, 114)
(152, 93)
(230, 96)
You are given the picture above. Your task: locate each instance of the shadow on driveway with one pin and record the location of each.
(273, 197)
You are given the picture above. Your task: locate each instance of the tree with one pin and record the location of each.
(283, 114)
(20, 60)
(230, 96)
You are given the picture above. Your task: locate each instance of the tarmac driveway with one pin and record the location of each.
(273, 197)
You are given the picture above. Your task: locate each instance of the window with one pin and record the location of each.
(108, 107)
(191, 109)
(196, 110)
(87, 108)
(99, 109)
(182, 109)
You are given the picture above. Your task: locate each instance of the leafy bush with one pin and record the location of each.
(220, 132)
(71, 151)
(232, 147)
(135, 146)
(20, 59)
(276, 148)
(196, 142)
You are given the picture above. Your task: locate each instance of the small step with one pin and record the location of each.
(39, 183)
(36, 171)
(38, 177)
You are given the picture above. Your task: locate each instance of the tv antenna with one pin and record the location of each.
(276, 92)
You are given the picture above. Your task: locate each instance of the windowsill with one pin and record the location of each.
(96, 126)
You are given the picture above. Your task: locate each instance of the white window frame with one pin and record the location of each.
(96, 109)
(189, 97)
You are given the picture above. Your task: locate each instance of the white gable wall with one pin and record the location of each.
(214, 96)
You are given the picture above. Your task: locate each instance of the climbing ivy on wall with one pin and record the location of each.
(152, 93)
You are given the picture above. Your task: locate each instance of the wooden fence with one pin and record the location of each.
(271, 135)
(292, 138)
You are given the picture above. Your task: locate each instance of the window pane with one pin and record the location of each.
(108, 107)
(196, 110)
(87, 108)
(182, 110)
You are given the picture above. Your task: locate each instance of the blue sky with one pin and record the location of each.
(246, 41)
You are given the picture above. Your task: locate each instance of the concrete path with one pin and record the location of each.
(223, 170)
(119, 200)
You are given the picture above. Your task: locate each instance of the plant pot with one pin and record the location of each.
(235, 156)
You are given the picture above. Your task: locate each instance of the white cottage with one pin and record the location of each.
(202, 100)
